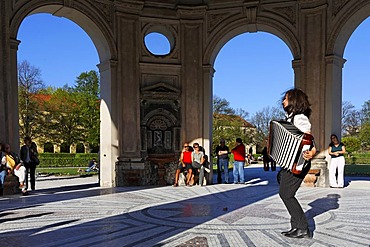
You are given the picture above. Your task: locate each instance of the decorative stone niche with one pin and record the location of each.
(160, 128)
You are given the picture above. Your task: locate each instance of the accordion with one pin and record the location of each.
(287, 144)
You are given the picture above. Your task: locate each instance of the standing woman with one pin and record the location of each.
(30, 160)
(297, 108)
(336, 151)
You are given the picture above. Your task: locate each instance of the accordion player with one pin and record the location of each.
(287, 144)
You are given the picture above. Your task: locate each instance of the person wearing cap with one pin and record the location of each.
(222, 153)
(239, 161)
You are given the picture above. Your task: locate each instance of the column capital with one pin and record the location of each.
(207, 68)
(106, 65)
(335, 59)
(14, 43)
(297, 63)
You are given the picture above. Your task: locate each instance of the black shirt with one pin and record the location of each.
(224, 148)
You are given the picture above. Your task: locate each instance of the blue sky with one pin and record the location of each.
(62, 51)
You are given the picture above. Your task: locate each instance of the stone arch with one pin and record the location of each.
(88, 19)
(346, 20)
(235, 28)
(96, 20)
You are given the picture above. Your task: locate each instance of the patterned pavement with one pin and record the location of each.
(76, 212)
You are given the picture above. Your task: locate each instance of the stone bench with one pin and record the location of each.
(11, 185)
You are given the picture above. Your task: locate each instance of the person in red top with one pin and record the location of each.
(185, 164)
(239, 161)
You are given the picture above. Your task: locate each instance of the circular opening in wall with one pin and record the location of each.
(157, 43)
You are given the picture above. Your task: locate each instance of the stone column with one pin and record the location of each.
(128, 88)
(192, 79)
(4, 55)
(108, 122)
(13, 108)
(311, 75)
(208, 72)
(333, 104)
(9, 131)
(130, 166)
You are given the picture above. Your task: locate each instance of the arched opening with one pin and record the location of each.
(345, 67)
(355, 78)
(80, 148)
(48, 147)
(65, 147)
(97, 31)
(252, 70)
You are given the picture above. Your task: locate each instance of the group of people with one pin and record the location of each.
(195, 162)
(222, 153)
(297, 109)
(20, 166)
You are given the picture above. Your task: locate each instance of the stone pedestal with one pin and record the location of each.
(161, 160)
(130, 172)
(11, 185)
(319, 163)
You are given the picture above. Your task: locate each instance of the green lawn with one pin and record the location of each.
(63, 171)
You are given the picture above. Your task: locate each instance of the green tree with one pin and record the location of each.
(88, 98)
(352, 144)
(29, 84)
(366, 112)
(62, 117)
(228, 124)
(364, 134)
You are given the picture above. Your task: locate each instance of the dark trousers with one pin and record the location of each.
(289, 185)
(219, 178)
(30, 169)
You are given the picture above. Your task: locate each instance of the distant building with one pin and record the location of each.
(226, 121)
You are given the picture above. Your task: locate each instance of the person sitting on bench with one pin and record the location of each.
(184, 164)
(93, 166)
(14, 165)
(197, 164)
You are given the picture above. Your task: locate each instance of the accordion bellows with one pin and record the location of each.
(287, 144)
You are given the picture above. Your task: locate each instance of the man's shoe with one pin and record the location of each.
(289, 232)
(299, 233)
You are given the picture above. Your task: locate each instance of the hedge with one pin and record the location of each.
(66, 159)
(358, 158)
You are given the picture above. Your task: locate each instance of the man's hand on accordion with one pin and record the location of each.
(309, 154)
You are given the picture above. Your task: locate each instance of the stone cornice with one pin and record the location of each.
(129, 6)
(191, 13)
